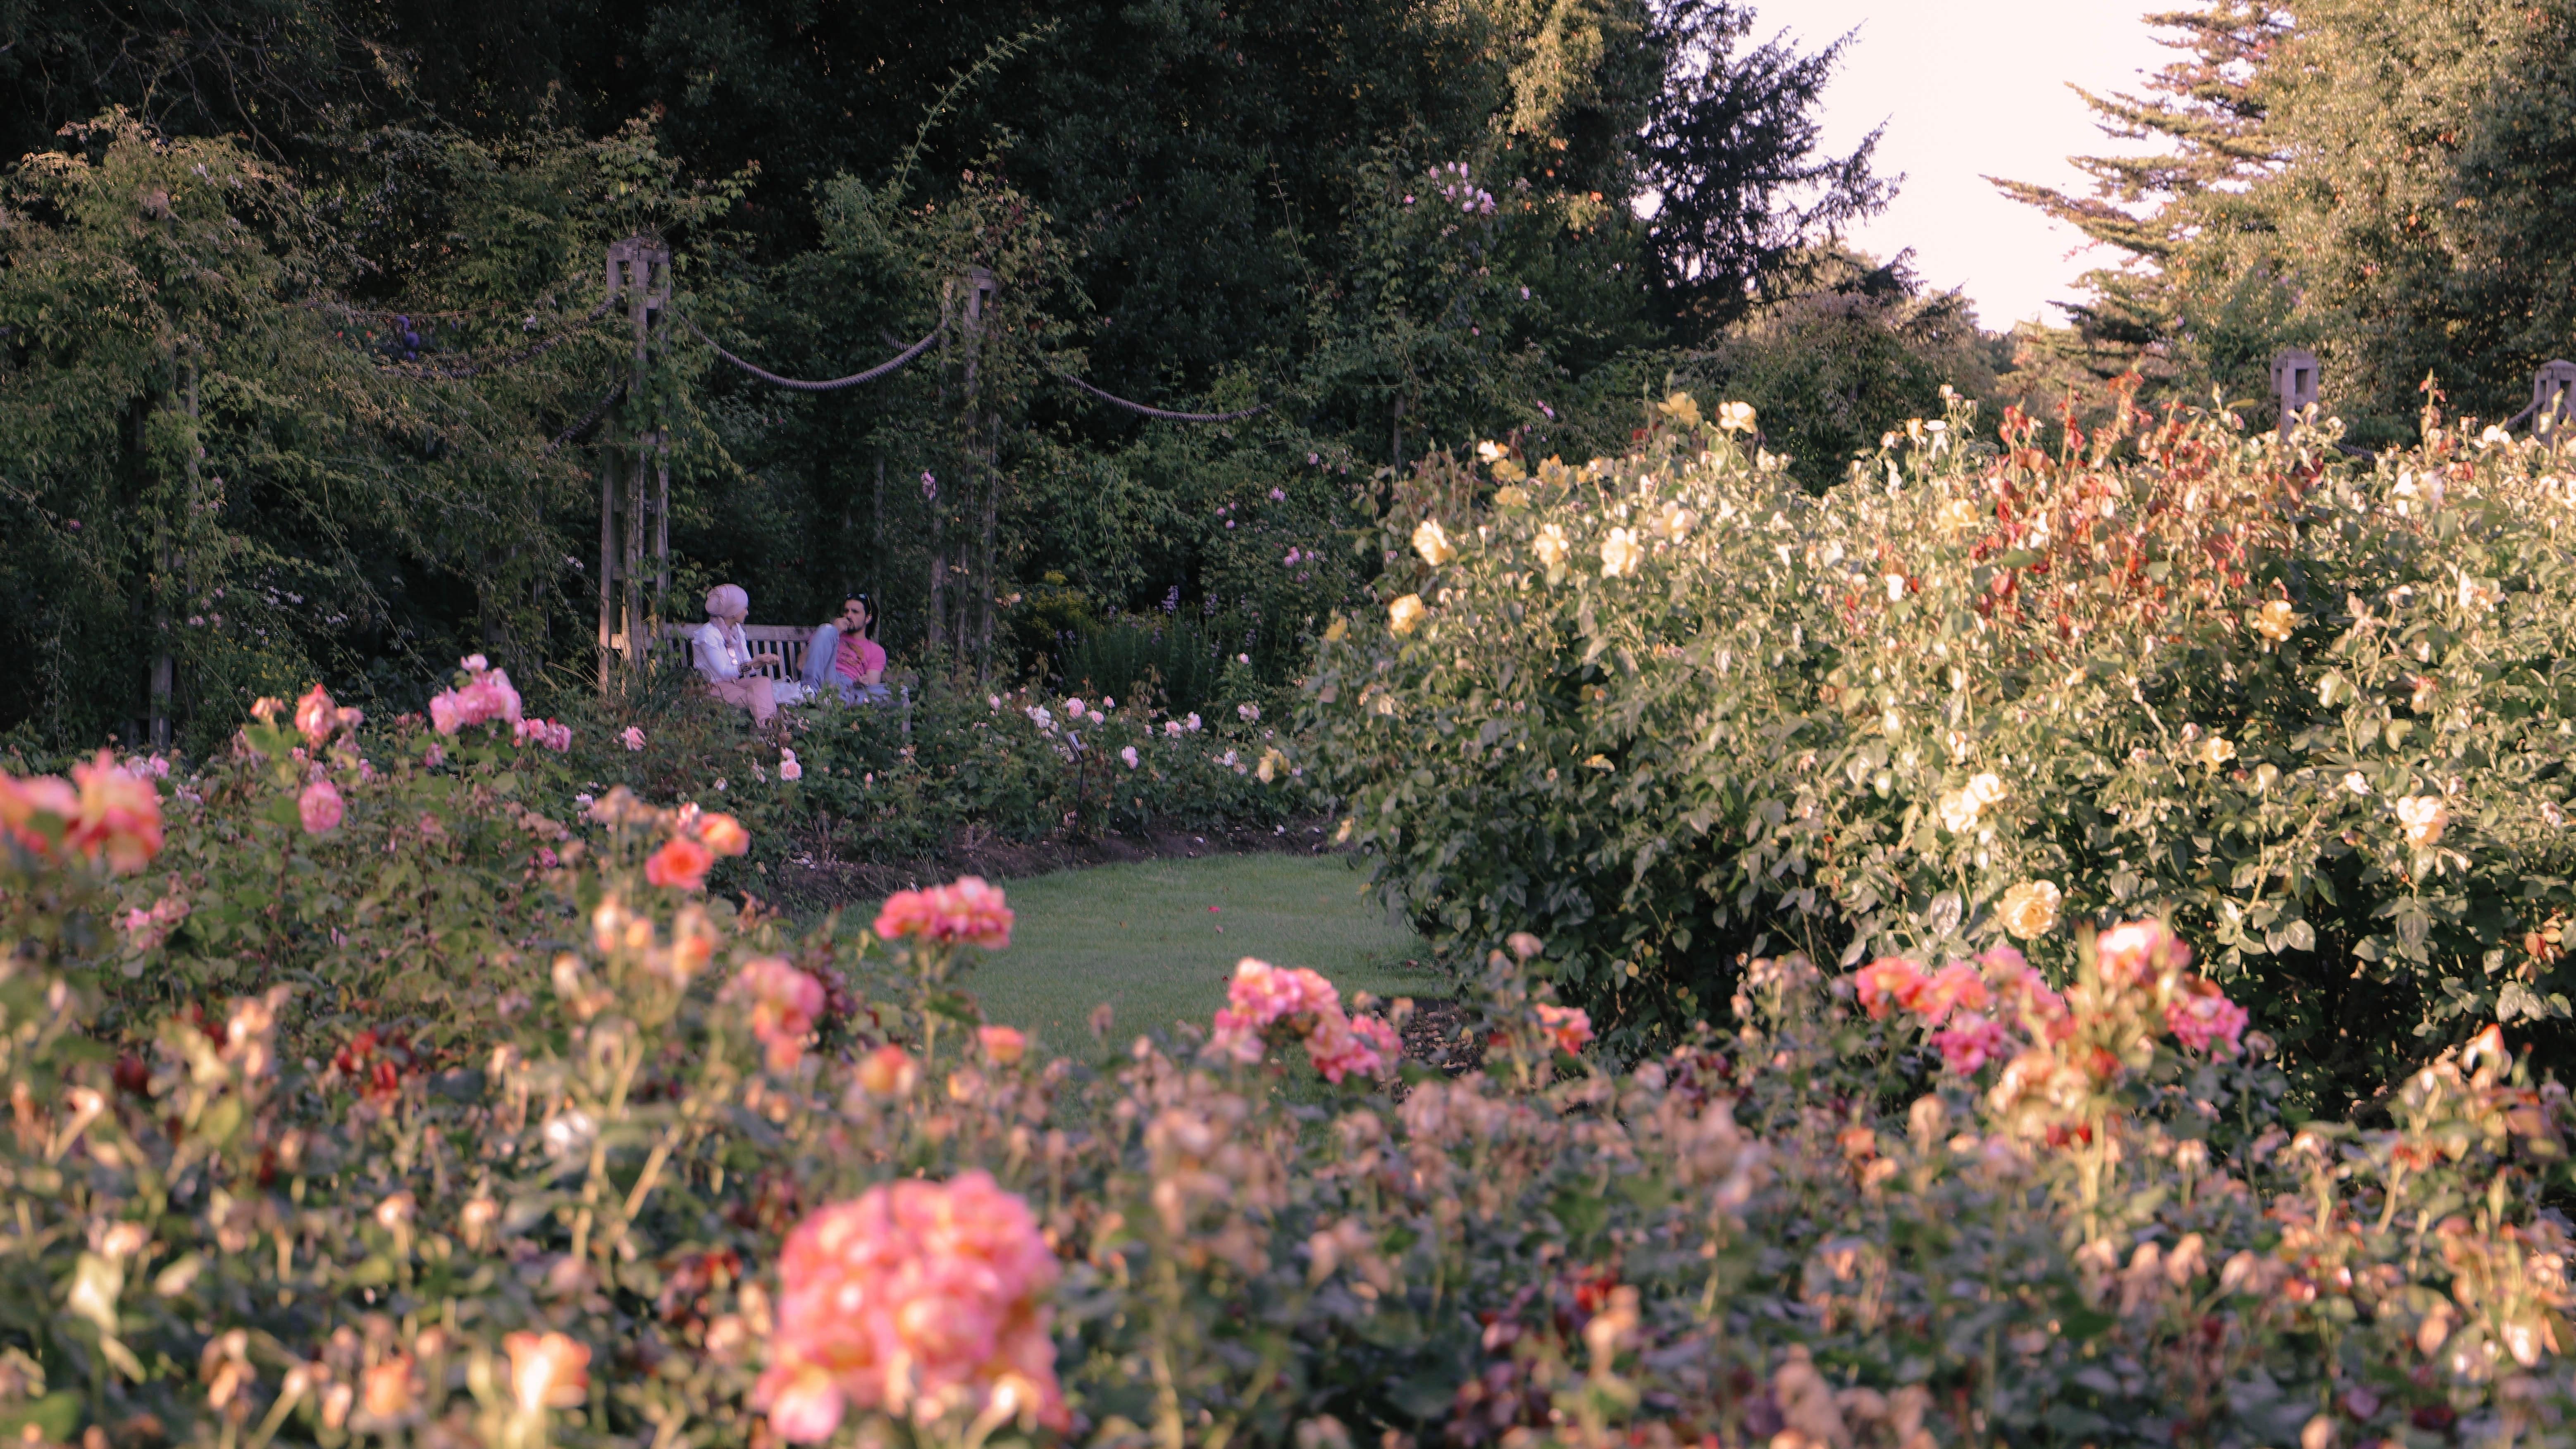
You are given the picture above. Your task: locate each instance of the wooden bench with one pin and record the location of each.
(788, 641)
(674, 649)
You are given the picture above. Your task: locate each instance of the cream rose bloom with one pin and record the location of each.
(2214, 751)
(1551, 546)
(1735, 417)
(1404, 614)
(2275, 620)
(1433, 544)
(1621, 553)
(2424, 818)
(2030, 909)
(1958, 811)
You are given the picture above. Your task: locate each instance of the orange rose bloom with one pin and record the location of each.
(681, 864)
(723, 834)
(547, 1371)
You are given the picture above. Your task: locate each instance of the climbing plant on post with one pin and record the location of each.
(634, 471)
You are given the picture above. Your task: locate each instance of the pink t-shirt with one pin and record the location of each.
(858, 657)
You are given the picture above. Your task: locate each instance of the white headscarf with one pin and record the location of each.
(727, 601)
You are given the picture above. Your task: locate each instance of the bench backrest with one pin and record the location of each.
(788, 641)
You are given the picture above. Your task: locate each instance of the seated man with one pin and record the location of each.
(845, 660)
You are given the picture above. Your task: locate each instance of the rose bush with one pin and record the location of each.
(696, 1177)
(1668, 710)
(881, 783)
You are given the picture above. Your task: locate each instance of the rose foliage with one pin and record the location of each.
(1666, 710)
(663, 1170)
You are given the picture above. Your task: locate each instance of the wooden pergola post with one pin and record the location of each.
(634, 474)
(2295, 382)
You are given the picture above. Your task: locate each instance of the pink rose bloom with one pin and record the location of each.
(148, 929)
(436, 754)
(1971, 1041)
(485, 697)
(556, 737)
(965, 909)
(633, 738)
(784, 1002)
(1341, 1046)
(1954, 987)
(321, 807)
(1569, 1026)
(790, 768)
(1887, 981)
(917, 1291)
(1235, 1038)
(2139, 952)
(1262, 994)
(1004, 1044)
(2017, 986)
(316, 716)
(2204, 1020)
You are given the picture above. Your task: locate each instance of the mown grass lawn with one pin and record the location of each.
(1142, 938)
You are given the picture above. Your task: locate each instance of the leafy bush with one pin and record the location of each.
(1175, 660)
(702, 1180)
(1666, 710)
(891, 783)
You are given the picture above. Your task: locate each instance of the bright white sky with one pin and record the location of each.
(1969, 89)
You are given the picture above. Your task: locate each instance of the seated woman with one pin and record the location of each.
(845, 660)
(725, 657)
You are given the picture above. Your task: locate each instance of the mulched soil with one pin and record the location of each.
(827, 884)
(1438, 1035)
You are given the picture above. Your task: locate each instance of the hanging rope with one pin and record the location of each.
(836, 384)
(1170, 417)
(581, 427)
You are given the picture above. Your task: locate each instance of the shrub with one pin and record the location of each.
(1664, 711)
(882, 783)
(891, 783)
(710, 1181)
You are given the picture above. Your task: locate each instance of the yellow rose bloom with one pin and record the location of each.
(2030, 909)
(1404, 614)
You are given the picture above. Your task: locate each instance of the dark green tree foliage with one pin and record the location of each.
(1729, 159)
(1843, 352)
(2385, 183)
(206, 454)
(1401, 227)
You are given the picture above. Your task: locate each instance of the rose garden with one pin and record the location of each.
(1886, 923)
(950, 724)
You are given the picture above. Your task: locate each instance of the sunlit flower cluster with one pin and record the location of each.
(783, 1003)
(486, 697)
(318, 718)
(549, 733)
(1262, 996)
(920, 1299)
(106, 812)
(965, 910)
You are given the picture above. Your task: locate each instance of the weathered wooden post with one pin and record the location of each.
(634, 479)
(2553, 396)
(2294, 383)
(969, 298)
